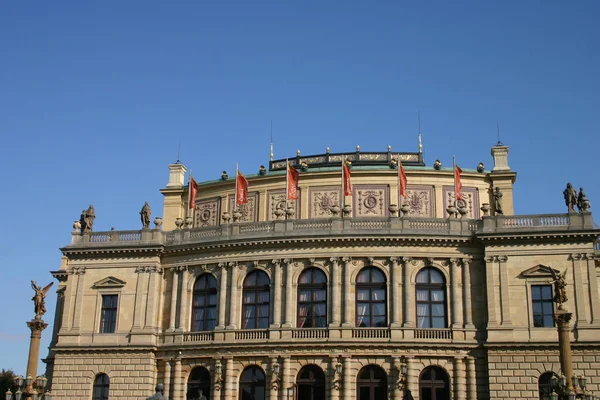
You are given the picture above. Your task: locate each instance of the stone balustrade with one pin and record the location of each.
(384, 226)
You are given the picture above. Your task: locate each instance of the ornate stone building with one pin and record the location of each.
(304, 300)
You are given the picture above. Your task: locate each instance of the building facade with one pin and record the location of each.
(328, 296)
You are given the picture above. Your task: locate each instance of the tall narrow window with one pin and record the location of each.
(312, 299)
(371, 306)
(198, 384)
(545, 384)
(311, 383)
(543, 308)
(256, 301)
(101, 387)
(108, 314)
(204, 306)
(252, 384)
(371, 383)
(431, 299)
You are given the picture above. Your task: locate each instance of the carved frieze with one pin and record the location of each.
(277, 200)
(420, 200)
(321, 199)
(370, 200)
(207, 212)
(469, 196)
(248, 211)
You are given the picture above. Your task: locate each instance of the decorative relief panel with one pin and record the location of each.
(370, 200)
(249, 210)
(321, 198)
(277, 200)
(421, 201)
(469, 195)
(207, 212)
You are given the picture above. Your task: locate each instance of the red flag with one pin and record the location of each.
(401, 179)
(457, 183)
(193, 189)
(292, 183)
(242, 189)
(347, 182)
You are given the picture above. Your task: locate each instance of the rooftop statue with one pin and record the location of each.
(570, 197)
(582, 202)
(145, 215)
(159, 395)
(498, 201)
(39, 298)
(87, 219)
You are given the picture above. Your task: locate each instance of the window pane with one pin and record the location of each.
(547, 307)
(362, 294)
(536, 293)
(422, 310)
(319, 295)
(422, 295)
(438, 322)
(436, 276)
(537, 308)
(547, 292)
(379, 321)
(319, 277)
(212, 299)
(423, 322)
(249, 297)
(437, 295)
(377, 276)
(377, 294)
(264, 297)
(548, 321)
(423, 276)
(304, 277)
(363, 277)
(364, 322)
(378, 309)
(437, 310)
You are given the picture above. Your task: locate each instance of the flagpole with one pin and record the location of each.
(454, 175)
(343, 191)
(399, 180)
(236, 186)
(190, 197)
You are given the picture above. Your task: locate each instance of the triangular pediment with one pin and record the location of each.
(539, 271)
(109, 283)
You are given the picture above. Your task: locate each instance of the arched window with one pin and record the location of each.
(371, 310)
(198, 384)
(371, 383)
(311, 383)
(101, 387)
(431, 299)
(256, 301)
(434, 384)
(312, 299)
(252, 384)
(545, 384)
(204, 306)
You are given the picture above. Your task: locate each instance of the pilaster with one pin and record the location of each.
(167, 379)
(395, 295)
(335, 293)
(409, 293)
(491, 284)
(183, 301)
(460, 382)
(177, 380)
(289, 306)
(455, 278)
(581, 310)
(174, 290)
(222, 296)
(347, 385)
(152, 299)
(467, 308)
(471, 379)
(80, 274)
(276, 293)
(233, 303)
(504, 291)
(593, 288)
(348, 302)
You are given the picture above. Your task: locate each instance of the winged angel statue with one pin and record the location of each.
(38, 298)
(560, 293)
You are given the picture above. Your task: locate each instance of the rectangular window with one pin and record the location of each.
(543, 306)
(108, 315)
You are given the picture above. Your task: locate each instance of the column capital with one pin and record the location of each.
(407, 259)
(502, 259)
(394, 259)
(453, 262)
(347, 260)
(287, 261)
(76, 271)
(575, 256)
(466, 261)
(276, 262)
(334, 260)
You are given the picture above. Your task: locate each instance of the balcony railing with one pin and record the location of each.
(370, 333)
(316, 333)
(252, 334)
(199, 337)
(384, 226)
(433, 334)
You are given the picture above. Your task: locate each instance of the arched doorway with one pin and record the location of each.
(371, 383)
(545, 384)
(101, 387)
(198, 384)
(434, 384)
(311, 383)
(252, 384)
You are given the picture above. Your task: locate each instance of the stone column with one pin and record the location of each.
(456, 294)
(335, 293)
(216, 379)
(229, 379)
(412, 382)
(409, 294)
(466, 263)
(348, 300)
(289, 307)
(36, 326)
(471, 379)
(285, 379)
(153, 298)
(273, 382)
(460, 383)
(183, 303)
(396, 378)
(347, 385)
(593, 288)
(504, 291)
(562, 318)
(395, 295)
(233, 298)
(276, 294)
(80, 273)
(167, 379)
(491, 284)
(173, 312)
(177, 380)
(222, 296)
(335, 390)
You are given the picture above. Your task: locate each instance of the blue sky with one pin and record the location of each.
(94, 99)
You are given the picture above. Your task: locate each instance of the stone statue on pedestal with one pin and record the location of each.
(498, 201)
(582, 202)
(570, 197)
(145, 215)
(87, 219)
(159, 395)
(39, 298)
(560, 292)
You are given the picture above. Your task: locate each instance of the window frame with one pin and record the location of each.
(252, 383)
(256, 304)
(101, 386)
(443, 287)
(370, 286)
(102, 320)
(541, 301)
(311, 287)
(205, 293)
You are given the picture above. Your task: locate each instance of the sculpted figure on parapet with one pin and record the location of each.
(570, 197)
(159, 395)
(145, 215)
(498, 201)
(87, 219)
